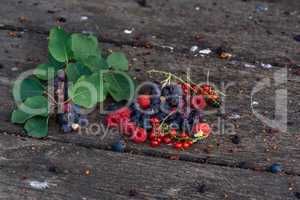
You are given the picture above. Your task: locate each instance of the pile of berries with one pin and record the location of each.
(172, 115)
(68, 117)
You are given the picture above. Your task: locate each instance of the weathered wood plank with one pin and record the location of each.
(259, 147)
(124, 176)
(250, 35)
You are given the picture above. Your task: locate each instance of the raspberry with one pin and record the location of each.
(202, 127)
(112, 120)
(144, 101)
(127, 127)
(198, 102)
(139, 135)
(124, 113)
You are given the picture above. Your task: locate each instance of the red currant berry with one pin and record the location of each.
(173, 132)
(154, 143)
(144, 101)
(158, 139)
(167, 140)
(183, 135)
(152, 136)
(177, 145)
(185, 145)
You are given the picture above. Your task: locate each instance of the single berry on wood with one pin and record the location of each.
(275, 168)
(202, 188)
(297, 195)
(236, 139)
(119, 146)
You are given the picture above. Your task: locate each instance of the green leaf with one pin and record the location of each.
(37, 127)
(24, 112)
(46, 71)
(83, 93)
(86, 50)
(29, 87)
(118, 61)
(120, 85)
(97, 80)
(95, 63)
(54, 62)
(59, 45)
(75, 71)
(88, 90)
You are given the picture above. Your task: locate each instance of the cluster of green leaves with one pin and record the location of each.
(85, 66)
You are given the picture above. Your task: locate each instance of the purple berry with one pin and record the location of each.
(66, 128)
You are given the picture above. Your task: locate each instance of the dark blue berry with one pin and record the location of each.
(83, 121)
(236, 139)
(297, 195)
(297, 38)
(275, 168)
(61, 119)
(119, 146)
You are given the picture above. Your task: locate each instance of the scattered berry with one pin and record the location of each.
(236, 139)
(119, 146)
(202, 188)
(275, 168)
(297, 195)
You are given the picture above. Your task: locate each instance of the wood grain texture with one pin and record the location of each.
(259, 147)
(124, 176)
(250, 35)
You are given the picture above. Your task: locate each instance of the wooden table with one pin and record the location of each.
(83, 167)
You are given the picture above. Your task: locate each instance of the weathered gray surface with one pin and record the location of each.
(267, 38)
(267, 147)
(114, 175)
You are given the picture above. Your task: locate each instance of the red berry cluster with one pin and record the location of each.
(127, 121)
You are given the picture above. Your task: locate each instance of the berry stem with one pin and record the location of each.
(170, 75)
